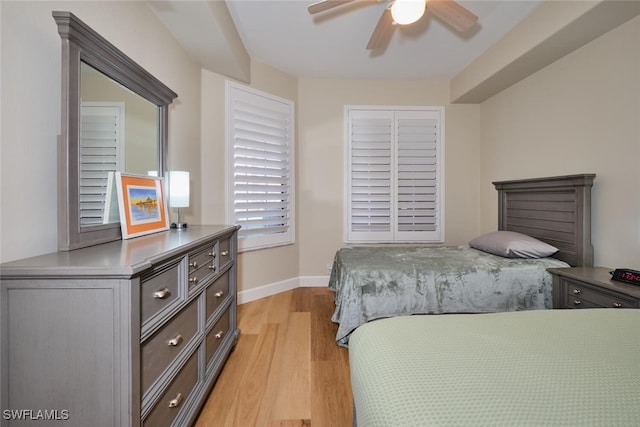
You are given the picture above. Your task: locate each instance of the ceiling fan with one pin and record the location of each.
(404, 12)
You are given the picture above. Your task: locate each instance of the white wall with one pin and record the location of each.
(30, 70)
(580, 114)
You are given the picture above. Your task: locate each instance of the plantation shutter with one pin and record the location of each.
(417, 184)
(394, 174)
(101, 136)
(370, 157)
(261, 141)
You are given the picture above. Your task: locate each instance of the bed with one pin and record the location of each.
(374, 282)
(527, 368)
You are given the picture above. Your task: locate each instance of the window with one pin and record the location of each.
(394, 174)
(260, 141)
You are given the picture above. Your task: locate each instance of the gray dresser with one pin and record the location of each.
(591, 287)
(131, 332)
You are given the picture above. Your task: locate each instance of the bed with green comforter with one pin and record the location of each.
(386, 281)
(530, 368)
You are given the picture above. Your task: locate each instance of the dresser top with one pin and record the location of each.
(119, 259)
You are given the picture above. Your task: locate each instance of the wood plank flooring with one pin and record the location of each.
(286, 370)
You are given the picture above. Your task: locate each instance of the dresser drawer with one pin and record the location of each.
(217, 292)
(159, 290)
(175, 397)
(216, 335)
(224, 248)
(580, 295)
(202, 263)
(165, 345)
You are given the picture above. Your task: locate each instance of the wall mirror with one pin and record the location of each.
(114, 118)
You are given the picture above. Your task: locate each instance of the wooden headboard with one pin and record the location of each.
(556, 210)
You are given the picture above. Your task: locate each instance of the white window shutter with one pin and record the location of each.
(260, 143)
(101, 140)
(370, 175)
(394, 168)
(418, 180)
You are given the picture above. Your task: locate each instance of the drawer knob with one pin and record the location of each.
(193, 280)
(219, 294)
(577, 302)
(212, 254)
(617, 305)
(219, 335)
(193, 264)
(176, 401)
(212, 267)
(577, 291)
(175, 341)
(224, 253)
(161, 293)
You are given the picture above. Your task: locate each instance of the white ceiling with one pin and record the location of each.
(332, 44)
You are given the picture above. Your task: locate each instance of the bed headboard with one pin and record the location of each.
(556, 210)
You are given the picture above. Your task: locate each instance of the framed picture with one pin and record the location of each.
(143, 208)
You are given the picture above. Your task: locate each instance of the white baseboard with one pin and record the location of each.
(313, 281)
(282, 286)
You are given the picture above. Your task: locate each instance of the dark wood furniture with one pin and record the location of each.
(556, 210)
(589, 287)
(125, 333)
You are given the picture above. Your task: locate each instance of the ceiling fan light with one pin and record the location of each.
(407, 11)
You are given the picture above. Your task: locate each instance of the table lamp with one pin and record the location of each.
(179, 194)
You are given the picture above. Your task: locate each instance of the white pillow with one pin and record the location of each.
(510, 244)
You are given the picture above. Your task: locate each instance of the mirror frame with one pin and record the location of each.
(80, 43)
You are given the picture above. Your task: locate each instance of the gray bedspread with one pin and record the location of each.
(377, 282)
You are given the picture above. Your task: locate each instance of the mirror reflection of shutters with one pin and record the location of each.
(101, 146)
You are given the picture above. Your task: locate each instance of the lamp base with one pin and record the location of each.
(179, 225)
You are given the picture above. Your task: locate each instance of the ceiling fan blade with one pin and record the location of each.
(453, 14)
(326, 5)
(382, 33)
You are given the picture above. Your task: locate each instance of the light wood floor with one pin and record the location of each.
(287, 369)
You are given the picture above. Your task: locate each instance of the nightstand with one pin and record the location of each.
(590, 287)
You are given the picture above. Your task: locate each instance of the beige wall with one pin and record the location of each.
(581, 114)
(321, 160)
(30, 69)
(140, 119)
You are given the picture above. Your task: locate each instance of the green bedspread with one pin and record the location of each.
(530, 368)
(376, 282)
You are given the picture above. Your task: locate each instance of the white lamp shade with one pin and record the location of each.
(179, 189)
(407, 11)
